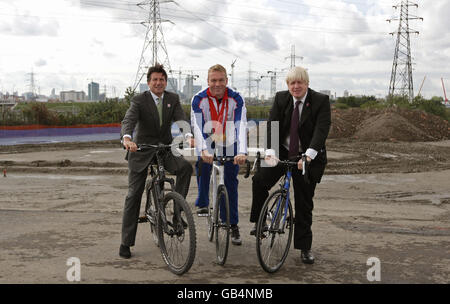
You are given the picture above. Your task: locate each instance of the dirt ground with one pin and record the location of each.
(389, 200)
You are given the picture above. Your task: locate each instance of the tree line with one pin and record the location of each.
(113, 110)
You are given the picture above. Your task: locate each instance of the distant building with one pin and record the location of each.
(72, 96)
(29, 96)
(143, 87)
(346, 93)
(53, 95)
(188, 88)
(93, 91)
(172, 85)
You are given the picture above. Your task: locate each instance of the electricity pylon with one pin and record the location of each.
(401, 76)
(154, 50)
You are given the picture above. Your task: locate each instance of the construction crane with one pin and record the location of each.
(443, 87)
(273, 81)
(420, 90)
(233, 64)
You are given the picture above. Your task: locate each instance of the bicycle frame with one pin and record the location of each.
(157, 189)
(286, 194)
(217, 169)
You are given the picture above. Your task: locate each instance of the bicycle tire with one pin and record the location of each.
(222, 230)
(177, 235)
(268, 230)
(210, 218)
(150, 212)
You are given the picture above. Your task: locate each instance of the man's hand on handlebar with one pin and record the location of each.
(270, 158)
(206, 157)
(300, 163)
(240, 159)
(129, 145)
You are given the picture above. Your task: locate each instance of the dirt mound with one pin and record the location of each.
(392, 124)
(389, 126)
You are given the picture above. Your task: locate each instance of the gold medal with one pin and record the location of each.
(218, 137)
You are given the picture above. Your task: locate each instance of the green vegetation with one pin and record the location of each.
(113, 110)
(103, 112)
(432, 106)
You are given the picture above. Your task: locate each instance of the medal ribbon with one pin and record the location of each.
(223, 110)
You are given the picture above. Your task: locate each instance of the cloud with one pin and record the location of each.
(109, 54)
(30, 26)
(41, 62)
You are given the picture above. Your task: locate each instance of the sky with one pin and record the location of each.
(345, 45)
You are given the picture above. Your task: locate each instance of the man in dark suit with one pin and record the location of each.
(304, 119)
(152, 113)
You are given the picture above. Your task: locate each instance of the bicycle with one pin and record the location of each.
(218, 195)
(170, 217)
(275, 225)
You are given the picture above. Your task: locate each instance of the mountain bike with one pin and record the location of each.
(170, 217)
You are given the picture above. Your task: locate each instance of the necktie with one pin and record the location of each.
(293, 134)
(159, 106)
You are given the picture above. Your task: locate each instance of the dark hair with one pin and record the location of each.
(157, 68)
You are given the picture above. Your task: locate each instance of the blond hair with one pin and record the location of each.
(217, 68)
(297, 74)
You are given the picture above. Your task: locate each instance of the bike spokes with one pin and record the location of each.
(274, 232)
(222, 225)
(177, 233)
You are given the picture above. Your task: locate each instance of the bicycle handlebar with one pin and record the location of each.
(224, 159)
(143, 147)
(287, 163)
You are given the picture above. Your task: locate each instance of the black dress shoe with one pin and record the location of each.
(125, 252)
(253, 231)
(307, 257)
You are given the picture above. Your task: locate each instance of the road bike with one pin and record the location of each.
(275, 225)
(218, 217)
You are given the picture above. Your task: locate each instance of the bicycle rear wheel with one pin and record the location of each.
(176, 233)
(274, 232)
(222, 228)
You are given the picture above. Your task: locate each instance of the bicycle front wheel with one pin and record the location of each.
(210, 218)
(274, 232)
(222, 224)
(176, 233)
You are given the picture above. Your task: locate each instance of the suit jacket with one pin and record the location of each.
(142, 118)
(314, 126)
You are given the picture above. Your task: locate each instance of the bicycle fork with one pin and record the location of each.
(216, 183)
